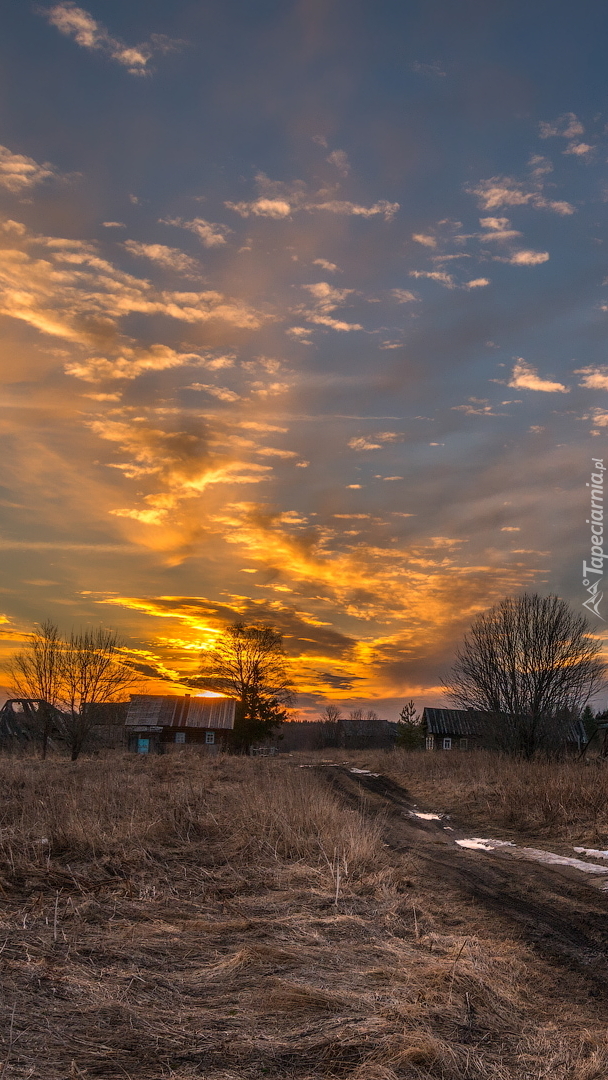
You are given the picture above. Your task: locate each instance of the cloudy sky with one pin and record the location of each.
(303, 311)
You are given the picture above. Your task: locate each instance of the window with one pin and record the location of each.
(430, 742)
(210, 737)
(464, 744)
(447, 744)
(180, 736)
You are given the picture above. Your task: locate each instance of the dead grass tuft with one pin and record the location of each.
(258, 957)
(297, 998)
(374, 1072)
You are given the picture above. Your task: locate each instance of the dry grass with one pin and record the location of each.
(565, 800)
(220, 918)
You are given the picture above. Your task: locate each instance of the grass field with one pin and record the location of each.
(559, 799)
(229, 918)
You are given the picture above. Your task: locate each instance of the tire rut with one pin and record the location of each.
(564, 920)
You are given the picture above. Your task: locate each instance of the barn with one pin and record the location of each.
(155, 722)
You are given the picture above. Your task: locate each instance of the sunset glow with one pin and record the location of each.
(303, 312)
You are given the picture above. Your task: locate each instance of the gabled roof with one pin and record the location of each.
(451, 722)
(461, 722)
(20, 717)
(169, 710)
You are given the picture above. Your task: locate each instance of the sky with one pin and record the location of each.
(303, 309)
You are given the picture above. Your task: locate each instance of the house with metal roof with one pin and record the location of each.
(466, 729)
(155, 721)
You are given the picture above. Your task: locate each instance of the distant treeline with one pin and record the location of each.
(341, 734)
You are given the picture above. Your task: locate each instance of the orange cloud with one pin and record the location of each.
(69, 291)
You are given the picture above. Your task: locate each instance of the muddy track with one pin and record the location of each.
(565, 920)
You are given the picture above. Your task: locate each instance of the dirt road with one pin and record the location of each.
(560, 909)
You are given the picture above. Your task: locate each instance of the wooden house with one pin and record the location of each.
(465, 729)
(23, 720)
(155, 722)
(597, 736)
(452, 729)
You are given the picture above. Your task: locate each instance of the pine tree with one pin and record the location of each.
(410, 732)
(589, 722)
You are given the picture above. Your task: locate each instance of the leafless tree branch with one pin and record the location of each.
(530, 663)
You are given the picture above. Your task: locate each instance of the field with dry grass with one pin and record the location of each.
(561, 800)
(190, 916)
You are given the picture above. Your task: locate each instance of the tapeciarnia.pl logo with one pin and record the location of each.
(593, 571)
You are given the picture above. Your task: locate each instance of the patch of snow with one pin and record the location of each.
(364, 772)
(591, 851)
(477, 843)
(552, 859)
(426, 817)
(549, 858)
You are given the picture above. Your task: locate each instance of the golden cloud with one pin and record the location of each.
(71, 292)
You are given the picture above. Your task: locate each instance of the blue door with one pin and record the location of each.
(143, 746)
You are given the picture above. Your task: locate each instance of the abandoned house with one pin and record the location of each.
(23, 719)
(460, 729)
(451, 729)
(154, 722)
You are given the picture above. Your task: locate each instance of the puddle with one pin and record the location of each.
(551, 859)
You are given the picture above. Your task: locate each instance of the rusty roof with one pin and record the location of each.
(171, 710)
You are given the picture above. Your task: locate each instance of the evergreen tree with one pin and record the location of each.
(589, 722)
(257, 718)
(410, 732)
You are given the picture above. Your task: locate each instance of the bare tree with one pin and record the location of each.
(331, 714)
(531, 665)
(329, 726)
(248, 662)
(358, 716)
(93, 672)
(35, 672)
(71, 676)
